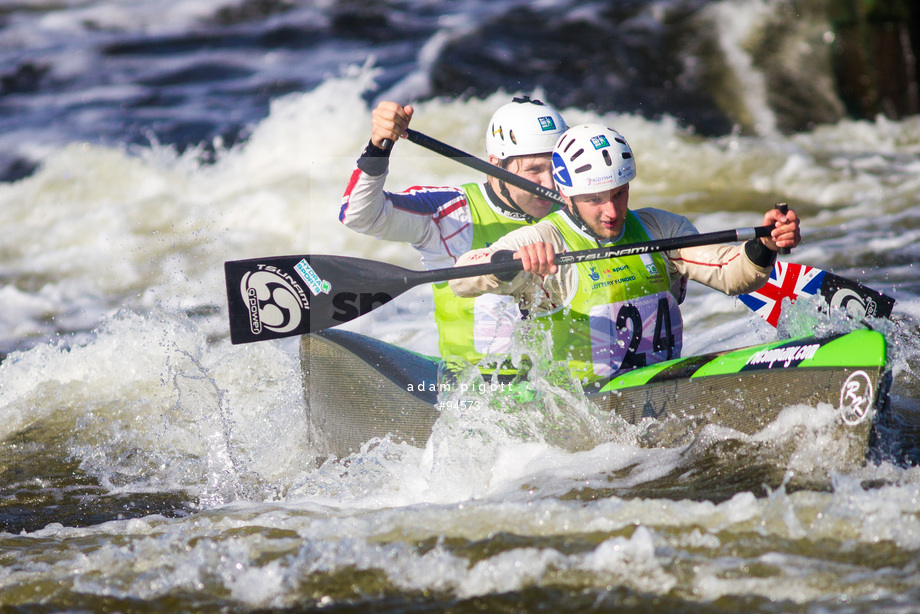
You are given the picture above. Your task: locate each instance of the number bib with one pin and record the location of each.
(635, 333)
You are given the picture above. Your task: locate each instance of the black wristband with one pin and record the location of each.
(759, 254)
(374, 160)
(504, 255)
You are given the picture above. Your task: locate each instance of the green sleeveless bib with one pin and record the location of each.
(472, 327)
(622, 313)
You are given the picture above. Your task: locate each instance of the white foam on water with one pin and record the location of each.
(273, 556)
(148, 406)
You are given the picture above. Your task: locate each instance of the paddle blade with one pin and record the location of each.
(790, 280)
(283, 296)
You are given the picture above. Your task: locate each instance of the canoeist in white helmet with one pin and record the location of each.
(619, 313)
(443, 223)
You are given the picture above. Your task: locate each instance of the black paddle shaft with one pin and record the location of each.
(485, 167)
(482, 166)
(283, 296)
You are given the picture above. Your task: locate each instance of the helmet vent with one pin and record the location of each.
(607, 159)
(626, 155)
(582, 169)
(497, 132)
(525, 99)
(576, 155)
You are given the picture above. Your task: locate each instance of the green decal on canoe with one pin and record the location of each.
(861, 348)
(642, 375)
(733, 362)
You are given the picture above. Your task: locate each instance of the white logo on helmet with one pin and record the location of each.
(561, 171)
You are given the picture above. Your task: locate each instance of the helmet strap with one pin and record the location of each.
(514, 206)
(508, 203)
(572, 212)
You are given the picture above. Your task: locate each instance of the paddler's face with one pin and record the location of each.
(538, 169)
(604, 212)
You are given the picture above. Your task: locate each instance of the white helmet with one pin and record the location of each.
(592, 158)
(523, 127)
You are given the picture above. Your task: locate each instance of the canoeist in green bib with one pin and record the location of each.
(609, 315)
(443, 223)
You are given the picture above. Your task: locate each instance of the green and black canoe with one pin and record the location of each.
(357, 388)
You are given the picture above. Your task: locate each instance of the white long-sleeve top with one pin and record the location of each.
(436, 221)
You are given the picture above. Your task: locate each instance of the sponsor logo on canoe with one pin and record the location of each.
(855, 398)
(782, 357)
(313, 281)
(275, 300)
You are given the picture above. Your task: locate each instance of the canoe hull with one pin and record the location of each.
(373, 400)
(390, 390)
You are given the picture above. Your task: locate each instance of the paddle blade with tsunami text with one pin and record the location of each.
(282, 296)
